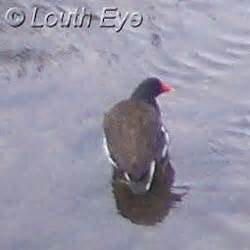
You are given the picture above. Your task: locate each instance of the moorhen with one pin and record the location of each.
(135, 139)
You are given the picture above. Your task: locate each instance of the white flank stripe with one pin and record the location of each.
(151, 175)
(106, 150)
(165, 148)
(164, 151)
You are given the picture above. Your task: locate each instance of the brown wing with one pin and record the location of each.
(132, 130)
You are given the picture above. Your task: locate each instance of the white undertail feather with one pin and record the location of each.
(151, 175)
(106, 149)
(127, 177)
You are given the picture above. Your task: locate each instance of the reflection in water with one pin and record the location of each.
(152, 207)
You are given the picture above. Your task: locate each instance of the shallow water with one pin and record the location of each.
(55, 183)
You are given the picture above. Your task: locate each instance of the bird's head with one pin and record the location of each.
(150, 88)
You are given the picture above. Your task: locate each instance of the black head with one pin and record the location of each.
(150, 88)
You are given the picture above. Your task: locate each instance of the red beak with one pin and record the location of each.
(166, 87)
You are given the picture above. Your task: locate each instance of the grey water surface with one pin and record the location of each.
(56, 189)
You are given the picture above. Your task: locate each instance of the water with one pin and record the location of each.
(56, 187)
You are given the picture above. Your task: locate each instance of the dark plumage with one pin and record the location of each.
(135, 138)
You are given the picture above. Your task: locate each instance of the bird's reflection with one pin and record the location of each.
(152, 207)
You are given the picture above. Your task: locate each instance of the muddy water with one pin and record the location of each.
(56, 188)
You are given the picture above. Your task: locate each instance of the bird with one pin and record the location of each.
(135, 139)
